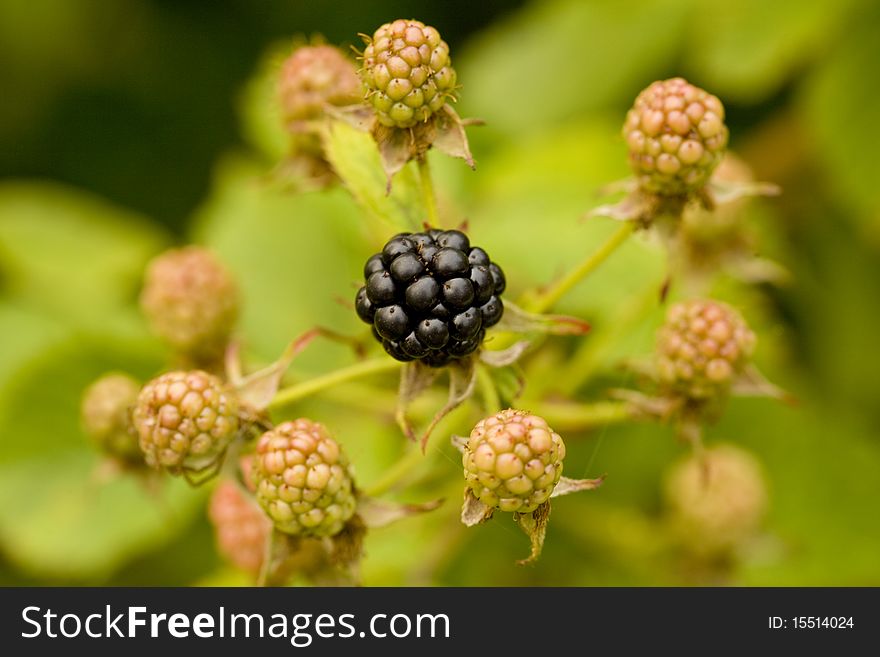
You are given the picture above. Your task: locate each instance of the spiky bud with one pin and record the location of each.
(303, 479)
(191, 301)
(676, 137)
(105, 414)
(407, 73)
(716, 499)
(312, 78)
(185, 420)
(513, 461)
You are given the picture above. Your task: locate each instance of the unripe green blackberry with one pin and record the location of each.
(676, 137)
(716, 499)
(190, 300)
(105, 413)
(312, 78)
(513, 461)
(240, 526)
(407, 73)
(702, 347)
(185, 420)
(303, 479)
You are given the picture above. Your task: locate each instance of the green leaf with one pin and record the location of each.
(57, 518)
(297, 258)
(355, 158)
(747, 49)
(574, 160)
(25, 334)
(57, 522)
(559, 58)
(71, 255)
(258, 108)
(841, 110)
(822, 468)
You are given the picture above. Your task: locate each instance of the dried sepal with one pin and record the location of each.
(462, 381)
(647, 406)
(397, 146)
(518, 320)
(257, 390)
(504, 357)
(474, 512)
(751, 382)
(347, 547)
(567, 485)
(534, 525)
(721, 191)
(415, 378)
(378, 513)
(450, 137)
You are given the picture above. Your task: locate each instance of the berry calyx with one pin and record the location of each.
(716, 499)
(105, 414)
(407, 73)
(431, 296)
(185, 420)
(241, 528)
(676, 136)
(701, 348)
(303, 479)
(513, 461)
(191, 301)
(312, 78)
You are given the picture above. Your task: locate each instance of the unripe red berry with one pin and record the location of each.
(240, 526)
(702, 347)
(185, 420)
(676, 136)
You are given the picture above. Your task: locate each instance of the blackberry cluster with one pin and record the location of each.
(431, 296)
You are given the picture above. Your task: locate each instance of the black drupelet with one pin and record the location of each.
(431, 296)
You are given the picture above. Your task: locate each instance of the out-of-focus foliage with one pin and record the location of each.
(553, 82)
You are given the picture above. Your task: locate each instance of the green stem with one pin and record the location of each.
(397, 472)
(585, 416)
(299, 391)
(551, 296)
(488, 390)
(584, 362)
(428, 190)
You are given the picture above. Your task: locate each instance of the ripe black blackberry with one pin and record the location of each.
(431, 296)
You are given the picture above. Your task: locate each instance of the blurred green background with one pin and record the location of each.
(126, 127)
